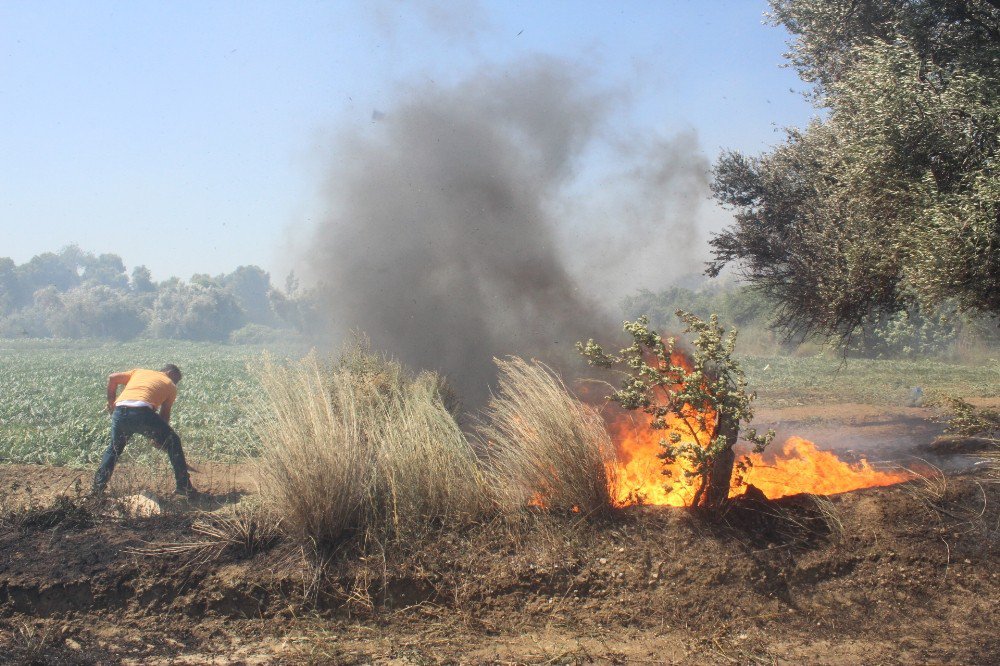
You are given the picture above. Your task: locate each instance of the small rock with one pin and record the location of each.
(141, 506)
(73, 645)
(603, 560)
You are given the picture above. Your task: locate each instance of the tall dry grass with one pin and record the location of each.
(545, 446)
(360, 446)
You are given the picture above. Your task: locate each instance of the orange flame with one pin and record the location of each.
(797, 467)
(640, 477)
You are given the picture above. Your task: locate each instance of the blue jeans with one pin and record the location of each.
(128, 421)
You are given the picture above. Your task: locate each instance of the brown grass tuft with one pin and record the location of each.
(360, 446)
(544, 445)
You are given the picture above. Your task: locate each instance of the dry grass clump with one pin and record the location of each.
(544, 446)
(241, 530)
(361, 446)
(245, 528)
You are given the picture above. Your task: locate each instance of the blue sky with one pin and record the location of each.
(196, 136)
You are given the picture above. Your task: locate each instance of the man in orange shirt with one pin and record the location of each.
(134, 412)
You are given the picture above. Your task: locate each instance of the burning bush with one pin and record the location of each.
(545, 446)
(361, 446)
(698, 402)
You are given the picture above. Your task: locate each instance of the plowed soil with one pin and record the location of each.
(897, 575)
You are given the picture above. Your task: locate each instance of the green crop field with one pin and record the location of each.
(782, 381)
(52, 397)
(52, 393)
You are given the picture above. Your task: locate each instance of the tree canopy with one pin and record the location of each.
(890, 200)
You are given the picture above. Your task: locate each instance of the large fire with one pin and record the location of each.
(797, 466)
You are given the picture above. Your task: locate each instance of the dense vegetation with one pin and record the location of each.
(905, 334)
(76, 294)
(52, 392)
(887, 205)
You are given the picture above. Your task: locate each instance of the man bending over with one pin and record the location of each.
(134, 412)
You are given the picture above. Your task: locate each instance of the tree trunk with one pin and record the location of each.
(721, 474)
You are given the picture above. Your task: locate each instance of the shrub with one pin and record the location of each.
(544, 445)
(699, 402)
(361, 446)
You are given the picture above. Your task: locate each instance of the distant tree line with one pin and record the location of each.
(902, 334)
(77, 294)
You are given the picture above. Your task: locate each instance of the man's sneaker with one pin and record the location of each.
(189, 492)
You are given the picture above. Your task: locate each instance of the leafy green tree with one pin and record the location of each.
(908, 333)
(960, 34)
(207, 281)
(59, 271)
(142, 281)
(33, 320)
(707, 401)
(8, 286)
(738, 303)
(195, 312)
(251, 286)
(106, 270)
(97, 311)
(890, 201)
(301, 309)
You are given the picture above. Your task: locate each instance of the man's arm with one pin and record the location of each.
(165, 412)
(114, 381)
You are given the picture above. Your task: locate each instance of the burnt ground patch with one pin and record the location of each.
(908, 571)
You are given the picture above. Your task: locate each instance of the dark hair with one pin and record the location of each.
(170, 368)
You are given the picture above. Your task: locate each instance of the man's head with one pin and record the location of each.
(172, 371)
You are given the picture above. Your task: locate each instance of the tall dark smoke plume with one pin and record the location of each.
(442, 239)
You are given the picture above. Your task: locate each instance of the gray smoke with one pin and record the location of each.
(443, 240)
(456, 20)
(643, 227)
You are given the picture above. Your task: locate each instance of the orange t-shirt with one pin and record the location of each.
(149, 386)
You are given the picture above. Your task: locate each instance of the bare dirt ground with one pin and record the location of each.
(898, 575)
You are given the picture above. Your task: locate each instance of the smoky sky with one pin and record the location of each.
(458, 20)
(447, 240)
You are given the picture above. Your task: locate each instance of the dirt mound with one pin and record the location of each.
(889, 575)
